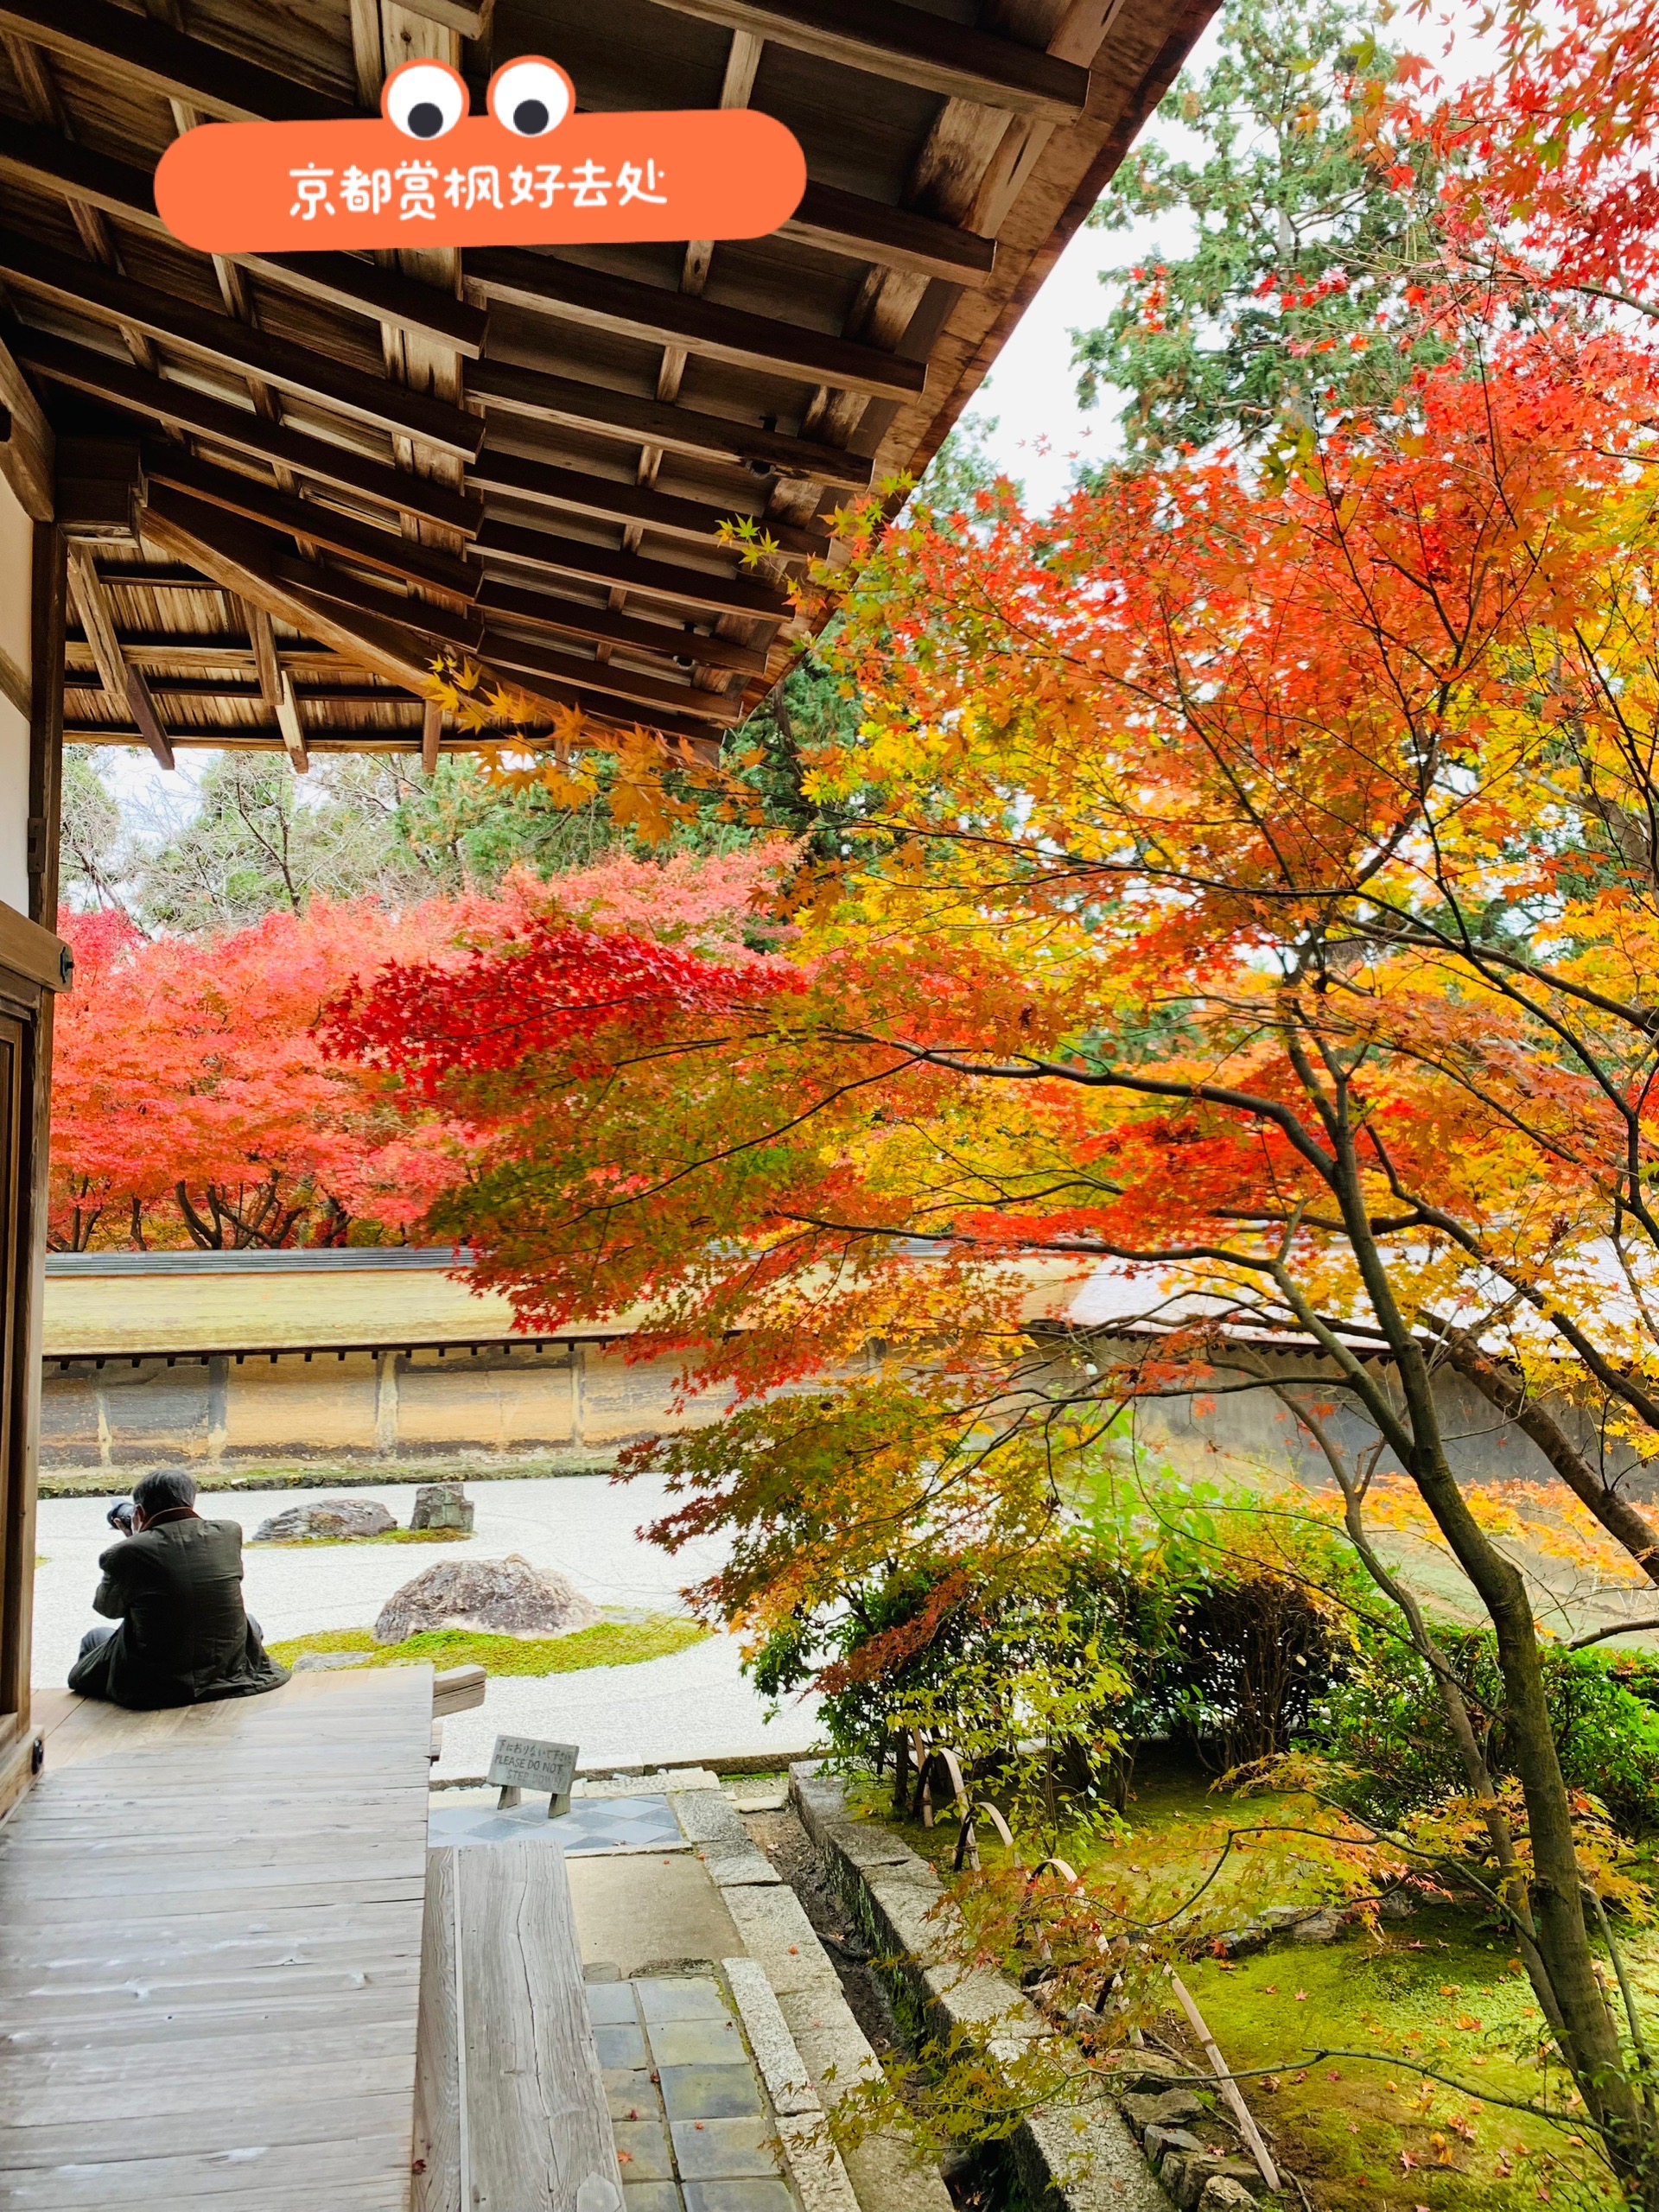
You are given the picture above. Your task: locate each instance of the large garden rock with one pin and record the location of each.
(442, 1505)
(329, 1516)
(499, 1597)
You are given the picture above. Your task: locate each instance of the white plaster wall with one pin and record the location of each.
(16, 540)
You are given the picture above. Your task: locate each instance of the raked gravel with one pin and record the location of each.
(693, 1704)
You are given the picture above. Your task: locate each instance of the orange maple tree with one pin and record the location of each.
(193, 1103)
(1254, 889)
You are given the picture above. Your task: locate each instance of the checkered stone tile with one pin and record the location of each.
(617, 1824)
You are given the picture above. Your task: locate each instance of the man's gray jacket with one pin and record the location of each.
(184, 1635)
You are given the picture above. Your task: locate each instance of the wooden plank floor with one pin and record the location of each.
(510, 2106)
(210, 1952)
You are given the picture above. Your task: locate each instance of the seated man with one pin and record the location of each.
(174, 1589)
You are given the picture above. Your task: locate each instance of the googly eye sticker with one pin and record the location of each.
(531, 97)
(424, 99)
(529, 170)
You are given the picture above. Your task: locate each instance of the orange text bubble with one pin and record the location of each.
(270, 188)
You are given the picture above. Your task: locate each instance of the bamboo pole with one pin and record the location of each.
(1229, 2089)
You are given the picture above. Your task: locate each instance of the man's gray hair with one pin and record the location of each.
(163, 1491)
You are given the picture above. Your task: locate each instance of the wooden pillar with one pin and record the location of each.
(34, 968)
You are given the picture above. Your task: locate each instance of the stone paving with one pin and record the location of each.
(592, 1826)
(715, 2107)
(694, 2130)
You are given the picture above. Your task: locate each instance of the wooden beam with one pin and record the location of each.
(253, 563)
(857, 229)
(620, 305)
(606, 678)
(459, 627)
(568, 618)
(308, 519)
(288, 721)
(883, 39)
(130, 50)
(275, 688)
(568, 556)
(248, 737)
(53, 163)
(152, 651)
(546, 399)
(383, 294)
(300, 370)
(431, 736)
(263, 638)
(602, 712)
(27, 452)
(250, 692)
(124, 685)
(99, 484)
(157, 399)
(575, 491)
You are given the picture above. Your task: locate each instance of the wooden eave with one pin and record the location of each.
(293, 483)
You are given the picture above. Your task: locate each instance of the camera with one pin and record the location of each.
(120, 1516)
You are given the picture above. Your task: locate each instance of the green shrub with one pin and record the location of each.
(1220, 1623)
(1385, 1723)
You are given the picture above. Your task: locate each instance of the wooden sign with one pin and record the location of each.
(521, 1763)
(529, 171)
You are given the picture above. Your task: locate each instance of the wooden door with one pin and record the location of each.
(25, 1044)
(14, 1588)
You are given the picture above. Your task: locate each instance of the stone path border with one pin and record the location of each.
(1072, 2161)
(800, 2026)
(628, 1779)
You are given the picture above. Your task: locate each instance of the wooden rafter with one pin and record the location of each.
(616, 304)
(300, 370)
(175, 651)
(87, 179)
(577, 491)
(26, 446)
(461, 628)
(132, 49)
(569, 556)
(895, 238)
(544, 398)
(310, 521)
(125, 687)
(288, 721)
(541, 610)
(158, 399)
(884, 38)
(606, 678)
(275, 687)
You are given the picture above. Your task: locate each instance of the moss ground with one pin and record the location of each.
(607, 1643)
(1440, 1989)
(390, 1536)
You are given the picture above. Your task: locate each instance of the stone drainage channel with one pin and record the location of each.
(717, 2067)
(720, 2071)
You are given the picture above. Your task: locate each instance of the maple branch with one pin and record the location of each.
(1618, 1628)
